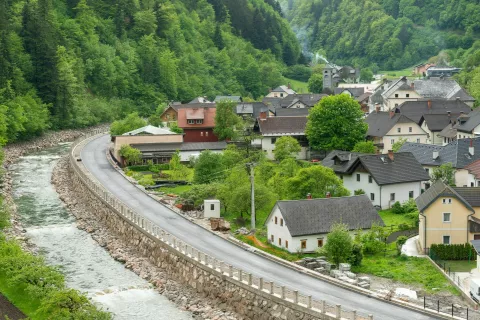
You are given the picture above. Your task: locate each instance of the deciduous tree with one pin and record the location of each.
(286, 147)
(226, 121)
(364, 147)
(339, 244)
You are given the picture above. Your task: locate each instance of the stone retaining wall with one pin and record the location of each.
(249, 296)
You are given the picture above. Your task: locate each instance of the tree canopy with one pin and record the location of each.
(130, 123)
(364, 147)
(226, 120)
(286, 147)
(336, 122)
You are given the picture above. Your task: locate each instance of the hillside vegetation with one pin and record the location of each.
(76, 63)
(385, 34)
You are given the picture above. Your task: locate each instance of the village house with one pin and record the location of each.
(303, 225)
(399, 92)
(473, 174)
(352, 92)
(303, 100)
(146, 135)
(433, 115)
(200, 100)
(280, 92)
(460, 153)
(250, 110)
(422, 68)
(448, 215)
(290, 112)
(385, 179)
(466, 126)
(375, 100)
(198, 123)
(442, 72)
(272, 128)
(170, 114)
(386, 128)
(333, 75)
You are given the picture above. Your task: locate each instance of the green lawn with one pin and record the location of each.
(390, 218)
(189, 177)
(461, 266)
(395, 74)
(408, 270)
(298, 86)
(18, 298)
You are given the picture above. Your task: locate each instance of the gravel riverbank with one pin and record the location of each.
(184, 297)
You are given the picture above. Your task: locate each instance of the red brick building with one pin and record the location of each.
(198, 123)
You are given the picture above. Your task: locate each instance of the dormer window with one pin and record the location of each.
(191, 121)
(200, 121)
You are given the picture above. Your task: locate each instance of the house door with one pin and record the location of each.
(476, 237)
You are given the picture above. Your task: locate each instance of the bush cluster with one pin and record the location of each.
(453, 252)
(407, 207)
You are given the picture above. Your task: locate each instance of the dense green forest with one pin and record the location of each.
(383, 34)
(76, 63)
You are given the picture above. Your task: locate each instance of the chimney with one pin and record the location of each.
(309, 196)
(429, 103)
(390, 155)
(377, 107)
(329, 195)
(289, 86)
(435, 155)
(449, 113)
(263, 115)
(392, 114)
(471, 149)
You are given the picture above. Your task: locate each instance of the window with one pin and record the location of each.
(418, 140)
(370, 179)
(272, 238)
(399, 130)
(445, 201)
(273, 140)
(410, 194)
(372, 196)
(396, 95)
(191, 121)
(206, 134)
(201, 133)
(449, 201)
(303, 244)
(392, 196)
(199, 121)
(280, 241)
(286, 244)
(446, 239)
(212, 206)
(281, 95)
(410, 129)
(320, 243)
(276, 220)
(446, 217)
(358, 177)
(476, 237)
(427, 170)
(281, 222)
(392, 141)
(407, 95)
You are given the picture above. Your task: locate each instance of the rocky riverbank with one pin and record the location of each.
(184, 297)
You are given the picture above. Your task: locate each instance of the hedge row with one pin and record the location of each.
(453, 252)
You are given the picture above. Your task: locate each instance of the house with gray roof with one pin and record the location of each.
(400, 91)
(386, 128)
(466, 126)
(303, 225)
(385, 179)
(460, 153)
(272, 128)
(448, 215)
(303, 100)
(375, 101)
(250, 109)
(281, 92)
(352, 92)
(446, 89)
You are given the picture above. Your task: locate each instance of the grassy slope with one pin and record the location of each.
(392, 219)
(298, 86)
(18, 298)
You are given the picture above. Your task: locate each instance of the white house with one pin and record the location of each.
(272, 128)
(386, 128)
(280, 92)
(303, 225)
(385, 179)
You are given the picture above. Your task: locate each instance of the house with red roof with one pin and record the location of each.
(198, 123)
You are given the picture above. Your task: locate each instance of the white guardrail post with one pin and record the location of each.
(150, 228)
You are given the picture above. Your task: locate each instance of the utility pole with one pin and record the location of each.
(252, 182)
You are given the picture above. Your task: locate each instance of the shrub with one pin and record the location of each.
(453, 252)
(401, 240)
(357, 255)
(374, 240)
(138, 168)
(198, 193)
(397, 208)
(409, 206)
(359, 192)
(146, 180)
(339, 244)
(415, 217)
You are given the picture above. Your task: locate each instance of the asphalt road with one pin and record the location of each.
(93, 157)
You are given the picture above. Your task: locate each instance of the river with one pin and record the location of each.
(87, 266)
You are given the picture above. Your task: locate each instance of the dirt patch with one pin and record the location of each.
(9, 310)
(257, 242)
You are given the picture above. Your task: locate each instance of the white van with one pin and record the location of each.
(475, 289)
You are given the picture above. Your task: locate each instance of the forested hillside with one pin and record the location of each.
(383, 34)
(75, 63)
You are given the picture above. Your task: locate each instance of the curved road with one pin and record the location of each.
(93, 157)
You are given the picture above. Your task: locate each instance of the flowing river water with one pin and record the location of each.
(87, 266)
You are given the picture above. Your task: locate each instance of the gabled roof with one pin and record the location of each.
(228, 98)
(470, 194)
(208, 114)
(474, 169)
(456, 152)
(364, 97)
(395, 86)
(441, 89)
(292, 112)
(200, 100)
(437, 190)
(437, 122)
(177, 107)
(355, 92)
(149, 130)
(472, 121)
(284, 89)
(272, 103)
(403, 168)
(416, 109)
(308, 99)
(316, 216)
(380, 123)
(282, 125)
(448, 132)
(250, 108)
(195, 114)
